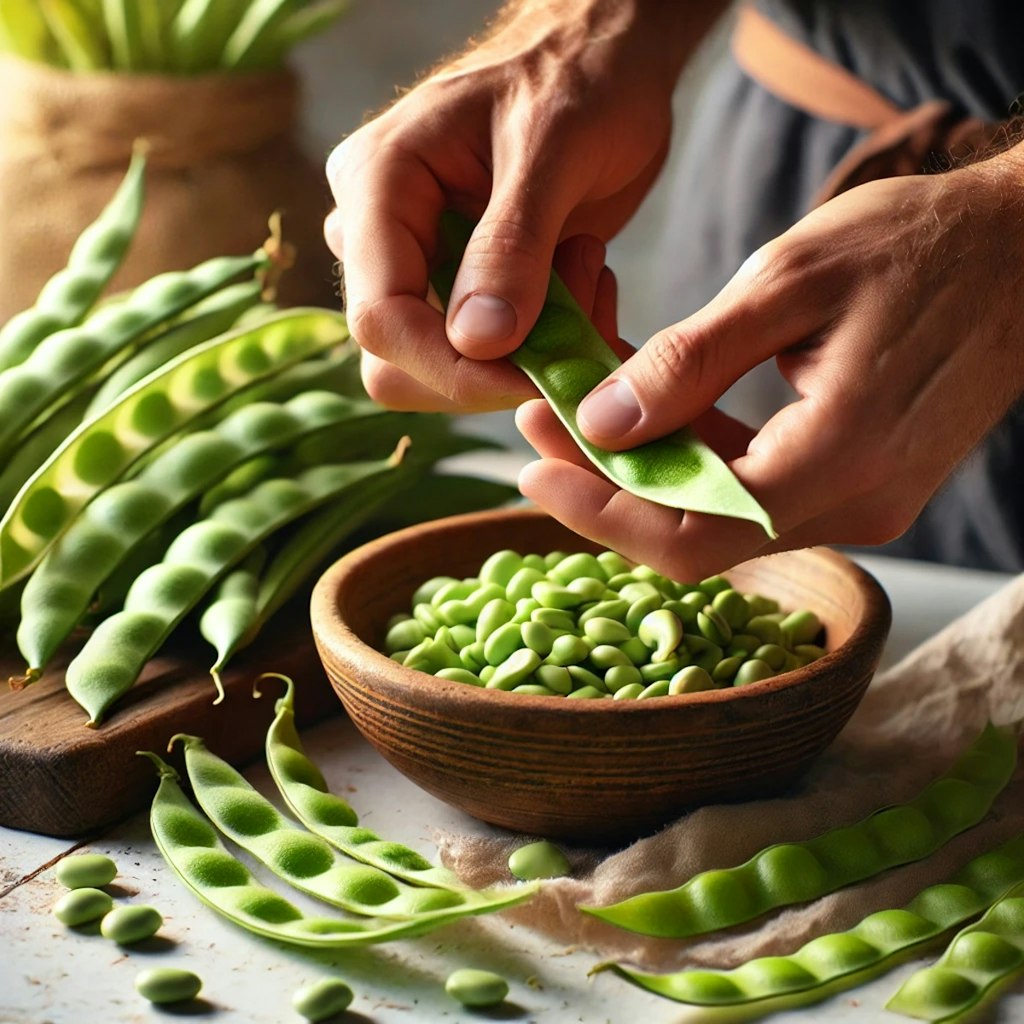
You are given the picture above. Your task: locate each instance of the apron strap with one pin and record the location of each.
(898, 141)
(795, 73)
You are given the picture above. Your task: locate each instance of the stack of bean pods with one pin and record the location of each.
(589, 626)
(186, 447)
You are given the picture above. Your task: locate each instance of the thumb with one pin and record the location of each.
(503, 276)
(683, 370)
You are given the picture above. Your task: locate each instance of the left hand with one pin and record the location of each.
(893, 310)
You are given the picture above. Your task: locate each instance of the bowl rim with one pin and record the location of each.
(332, 632)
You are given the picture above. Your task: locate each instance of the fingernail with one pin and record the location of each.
(484, 317)
(610, 411)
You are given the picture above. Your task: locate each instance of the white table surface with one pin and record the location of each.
(50, 975)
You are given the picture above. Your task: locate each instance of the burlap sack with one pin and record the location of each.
(224, 154)
(914, 720)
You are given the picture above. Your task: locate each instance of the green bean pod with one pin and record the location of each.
(305, 792)
(874, 943)
(38, 445)
(977, 959)
(192, 849)
(105, 533)
(104, 448)
(81, 46)
(566, 357)
(308, 862)
(117, 650)
(245, 602)
(62, 361)
(790, 873)
(205, 320)
(66, 298)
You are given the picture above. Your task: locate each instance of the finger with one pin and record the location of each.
(683, 370)
(395, 389)
(685, 546)
(578, 262)
(546, 434)
(503, 276)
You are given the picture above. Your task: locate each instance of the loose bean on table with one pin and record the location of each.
(85, 870)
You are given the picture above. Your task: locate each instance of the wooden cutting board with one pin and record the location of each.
(61, 778)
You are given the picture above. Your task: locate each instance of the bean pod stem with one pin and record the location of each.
(791, 873)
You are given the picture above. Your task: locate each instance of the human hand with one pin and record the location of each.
(893, 310)
(555, 125)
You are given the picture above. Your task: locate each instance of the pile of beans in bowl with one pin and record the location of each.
(595, 626)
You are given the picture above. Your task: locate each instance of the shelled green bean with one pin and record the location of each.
(822, 964)
(790, 873)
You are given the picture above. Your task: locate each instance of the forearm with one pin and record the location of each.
(659, 35)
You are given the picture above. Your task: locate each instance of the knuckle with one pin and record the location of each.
(498, 240)
(366, 324)
(676, 357)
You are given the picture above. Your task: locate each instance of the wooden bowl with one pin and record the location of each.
(587, 770)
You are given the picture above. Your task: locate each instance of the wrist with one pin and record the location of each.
(658, 36)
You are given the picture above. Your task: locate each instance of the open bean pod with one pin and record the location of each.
(205, 320)
(789, 873)
(66, 298)
(979, 957)
(109, 528)
(566, 357)
(821, 965)
(305, 791)
(114, 655)
(104, 448)
(192, 849)
(308, 862)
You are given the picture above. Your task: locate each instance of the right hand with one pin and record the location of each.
(555, 125)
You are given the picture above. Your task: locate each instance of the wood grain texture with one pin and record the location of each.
(588, 770)
(61, 778)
